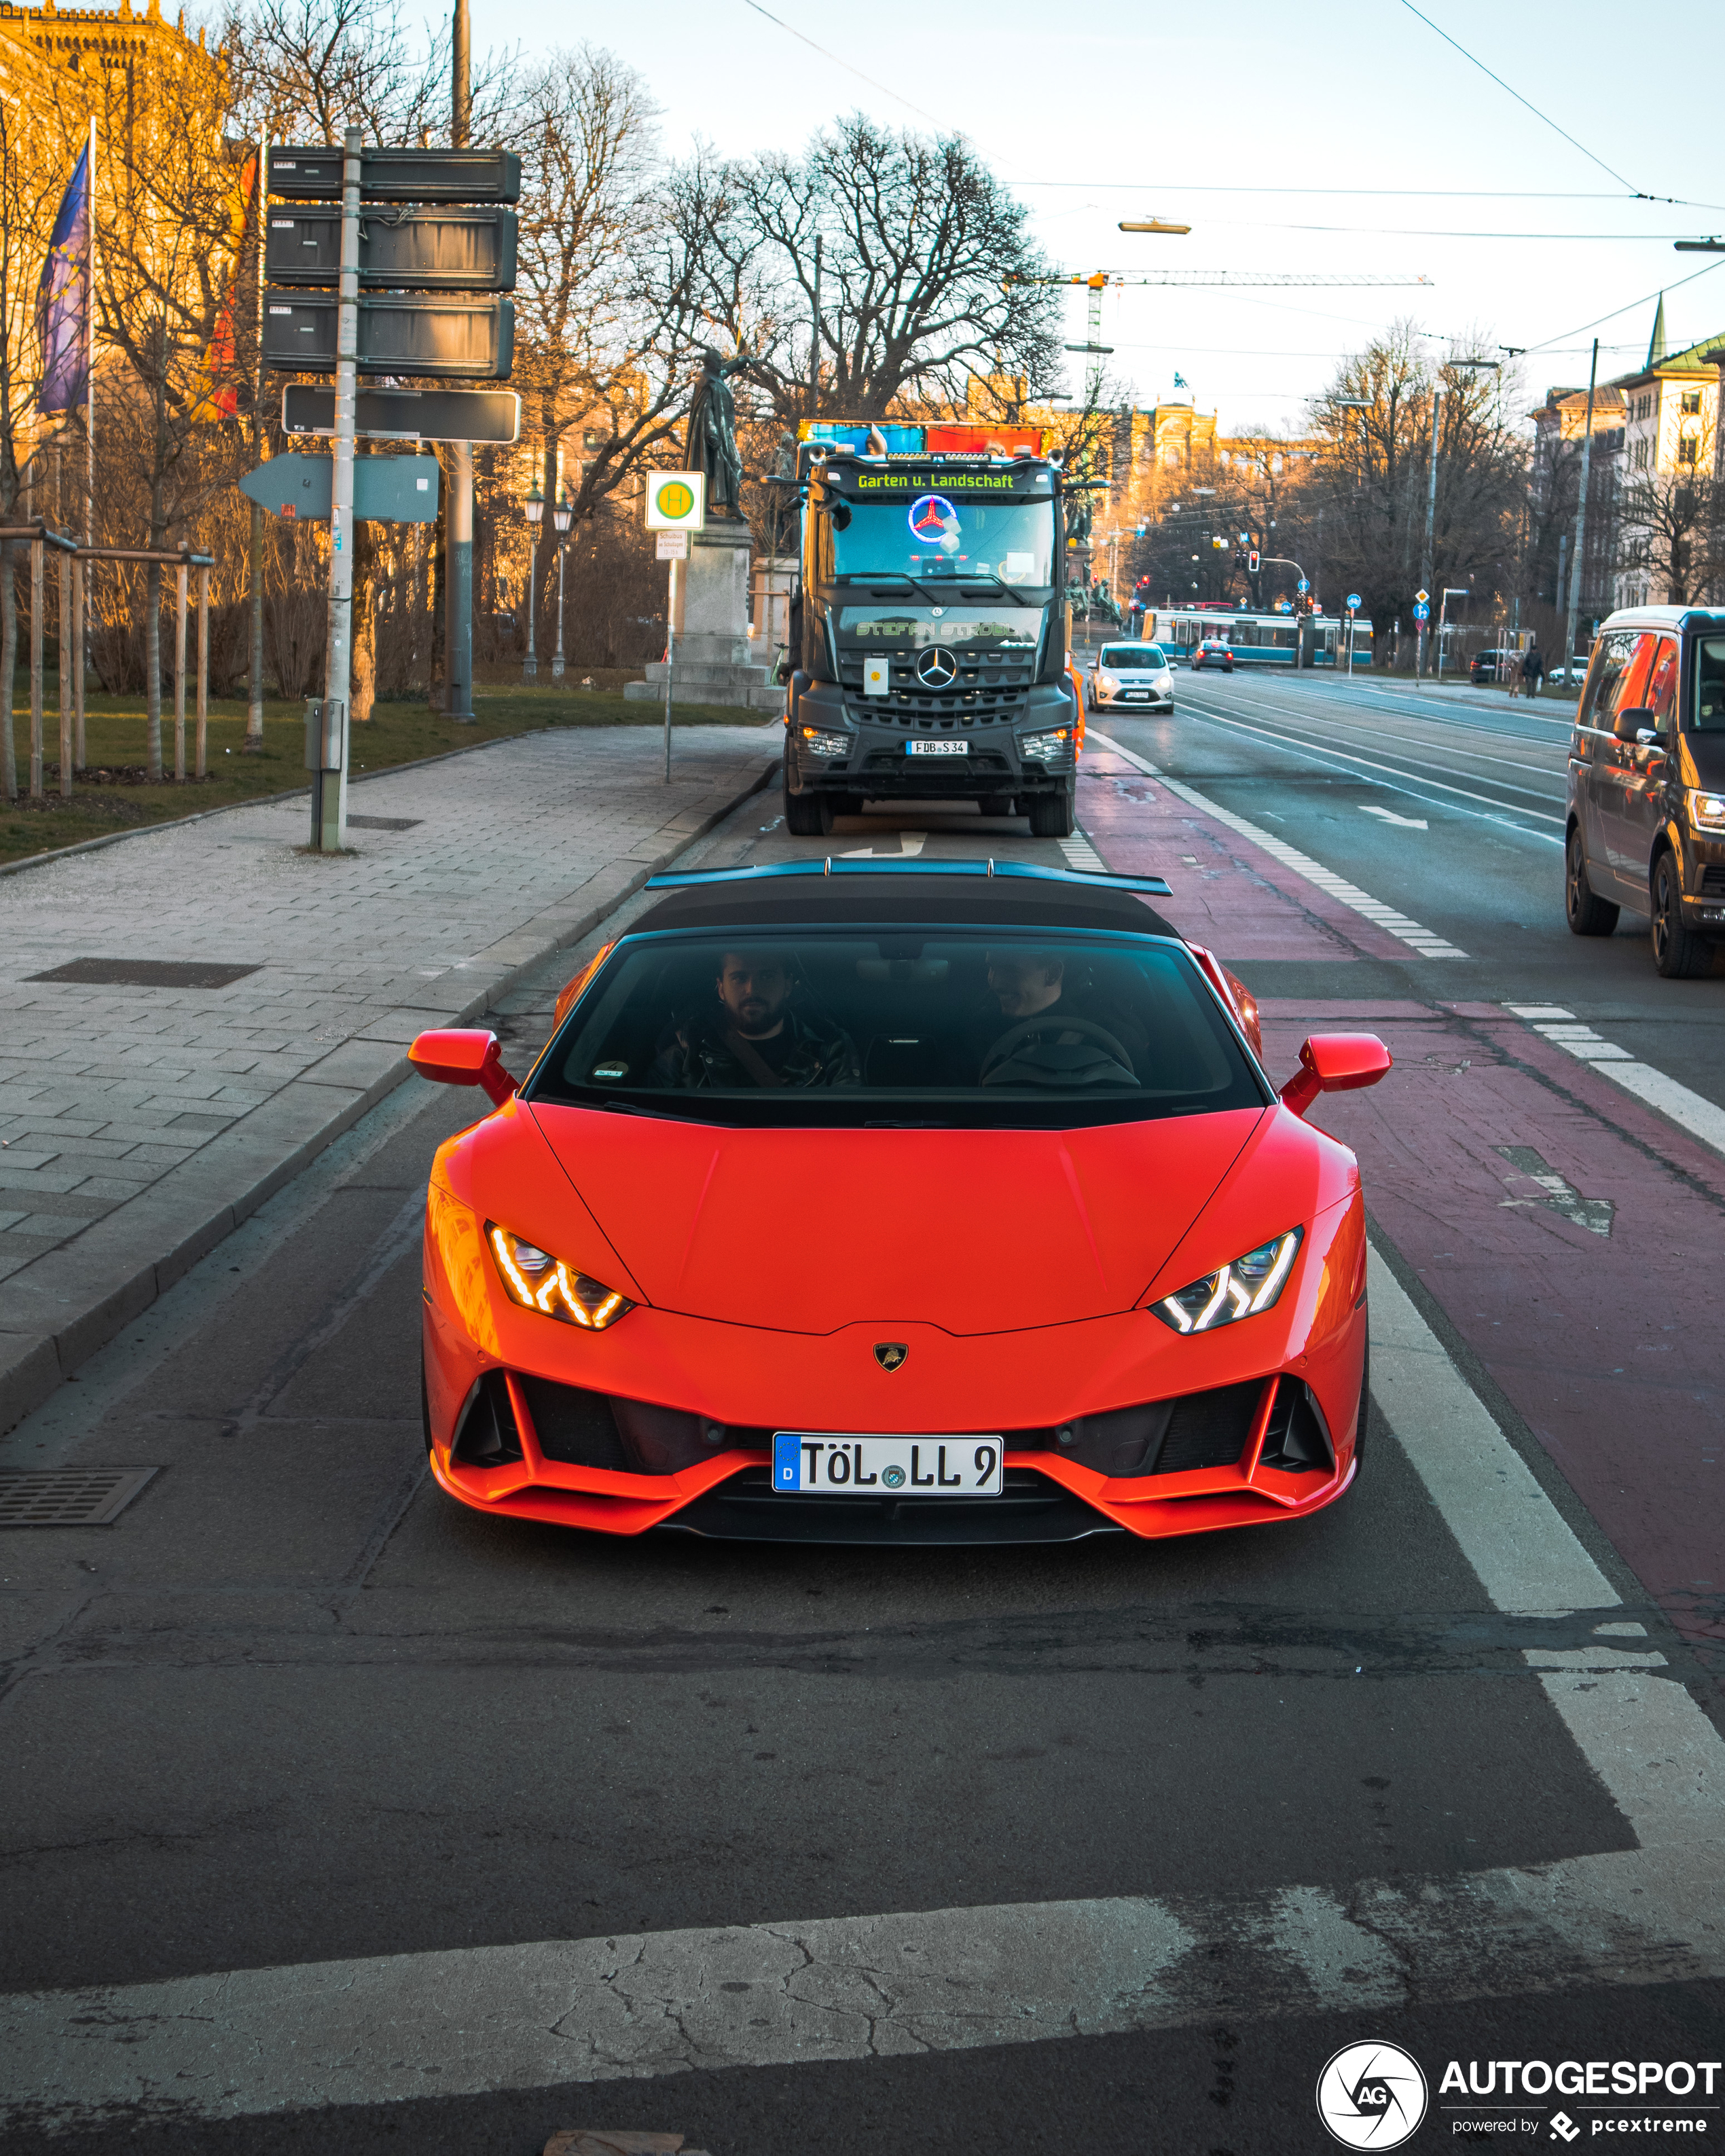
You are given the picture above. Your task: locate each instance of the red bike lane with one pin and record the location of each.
(1571, 1234)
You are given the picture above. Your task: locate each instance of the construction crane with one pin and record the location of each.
(1213, 280)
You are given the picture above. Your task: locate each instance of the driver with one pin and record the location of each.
(1028, 984)
(754, 1036)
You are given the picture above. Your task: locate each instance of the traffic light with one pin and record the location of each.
(1252, 562)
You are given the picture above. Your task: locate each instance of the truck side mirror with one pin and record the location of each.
(1335, 1063)
(1630, 722)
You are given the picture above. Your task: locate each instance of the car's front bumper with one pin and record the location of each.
(699, 1403)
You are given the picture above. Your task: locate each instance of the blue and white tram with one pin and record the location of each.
(1258, 639)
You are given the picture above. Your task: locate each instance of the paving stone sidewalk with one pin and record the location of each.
(139, 1123)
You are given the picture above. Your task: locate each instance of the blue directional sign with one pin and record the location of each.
(1352, 601)
(386, 489)
(1304, 584)
(1422, 612)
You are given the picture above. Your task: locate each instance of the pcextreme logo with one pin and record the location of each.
(1371, 2096)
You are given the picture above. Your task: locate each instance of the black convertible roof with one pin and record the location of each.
(817, 893)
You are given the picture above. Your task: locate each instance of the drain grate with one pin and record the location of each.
(68, 1497)
(384, 823)
(144, 973)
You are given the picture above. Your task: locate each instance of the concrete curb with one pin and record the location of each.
(74, 1300)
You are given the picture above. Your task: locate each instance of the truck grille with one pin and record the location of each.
(987, 691)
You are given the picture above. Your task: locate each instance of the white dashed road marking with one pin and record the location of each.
(1080, 853)
(1422, 940)
(1701, 1117)
(474, 2019)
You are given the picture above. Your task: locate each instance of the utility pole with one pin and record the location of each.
(1425, 568)
(458, 526)
(1586, 451)
(815, 341)
(254, 557)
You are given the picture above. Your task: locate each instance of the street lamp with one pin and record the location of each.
(534, 506)
(563, 515)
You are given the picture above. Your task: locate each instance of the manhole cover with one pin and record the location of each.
(144, 973)
(384, 823)
(68, 1497)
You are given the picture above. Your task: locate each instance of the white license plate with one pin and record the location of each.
(936, 748)
(840, 1466)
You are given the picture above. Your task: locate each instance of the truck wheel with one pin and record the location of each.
(1678, 952)
(808, 815)
(1588, 915)
(1052, 815)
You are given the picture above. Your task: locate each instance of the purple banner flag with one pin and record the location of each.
(62, 299)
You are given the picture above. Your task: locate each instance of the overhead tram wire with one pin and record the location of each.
(1580, 328)
(897, 96)
(1408, 194)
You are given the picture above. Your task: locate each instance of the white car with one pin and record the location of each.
(1131, 674)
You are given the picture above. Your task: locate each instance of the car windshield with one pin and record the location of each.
(1710, 685)
(942, 1027)
(935, 537)
(1131, 657)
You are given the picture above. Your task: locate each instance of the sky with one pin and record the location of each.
(1346, 138)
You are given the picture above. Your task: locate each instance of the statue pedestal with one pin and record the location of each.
(715, 661)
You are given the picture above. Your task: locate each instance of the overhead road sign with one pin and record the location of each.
(312, 173)
(447, 335)
(429, 249)
(676, 501)
(1153, 224)
(406, 415)
(386, 489)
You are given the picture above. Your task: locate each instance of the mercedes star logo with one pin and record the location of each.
(890, 1353)
(937, 668)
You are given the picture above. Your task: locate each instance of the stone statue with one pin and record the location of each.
(782, 522)
(1079, 518)
(711, 446)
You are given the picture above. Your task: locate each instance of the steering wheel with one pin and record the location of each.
(1031, 1028)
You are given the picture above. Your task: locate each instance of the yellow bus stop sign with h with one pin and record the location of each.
(676, 501)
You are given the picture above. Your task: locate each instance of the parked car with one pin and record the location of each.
(1132, 674)
(1646, 792)
(1495, 666)
(1570, 677)
(1212, 652)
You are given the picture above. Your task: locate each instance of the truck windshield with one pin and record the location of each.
(940, 536)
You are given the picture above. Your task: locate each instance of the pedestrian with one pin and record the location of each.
(1532, 669)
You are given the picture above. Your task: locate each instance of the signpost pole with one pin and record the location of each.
(671, 639)
(329, 801)
(458, 566)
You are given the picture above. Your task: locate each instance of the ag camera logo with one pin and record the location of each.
(1371, 2096)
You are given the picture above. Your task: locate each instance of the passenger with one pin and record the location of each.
(754, 1037)
(1035, 984)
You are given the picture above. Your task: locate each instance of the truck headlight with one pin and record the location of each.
(824, 744)
(1706, 812)
(1044, 748)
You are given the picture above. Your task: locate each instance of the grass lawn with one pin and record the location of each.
(112, 794)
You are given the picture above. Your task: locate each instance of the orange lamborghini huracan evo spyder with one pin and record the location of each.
(869, 1202)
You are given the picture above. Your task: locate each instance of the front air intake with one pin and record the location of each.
(1296, 1441)
(485, 1433)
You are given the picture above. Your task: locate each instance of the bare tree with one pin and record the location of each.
(920, 250)
(1670, 524)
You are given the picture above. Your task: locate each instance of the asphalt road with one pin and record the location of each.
(296, 1709)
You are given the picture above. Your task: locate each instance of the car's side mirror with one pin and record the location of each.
(1630, 722)
(1335, 1063)
(463, 1055)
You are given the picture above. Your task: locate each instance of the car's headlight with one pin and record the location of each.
(536, 1281)
(1706, 811)
(1240, 1289)
(824, 744)
(1042, 748)
(1109, 681)
(1164, 680)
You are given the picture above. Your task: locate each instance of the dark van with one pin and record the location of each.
(1646, 812)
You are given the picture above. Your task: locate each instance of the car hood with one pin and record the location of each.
(973, 1231)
